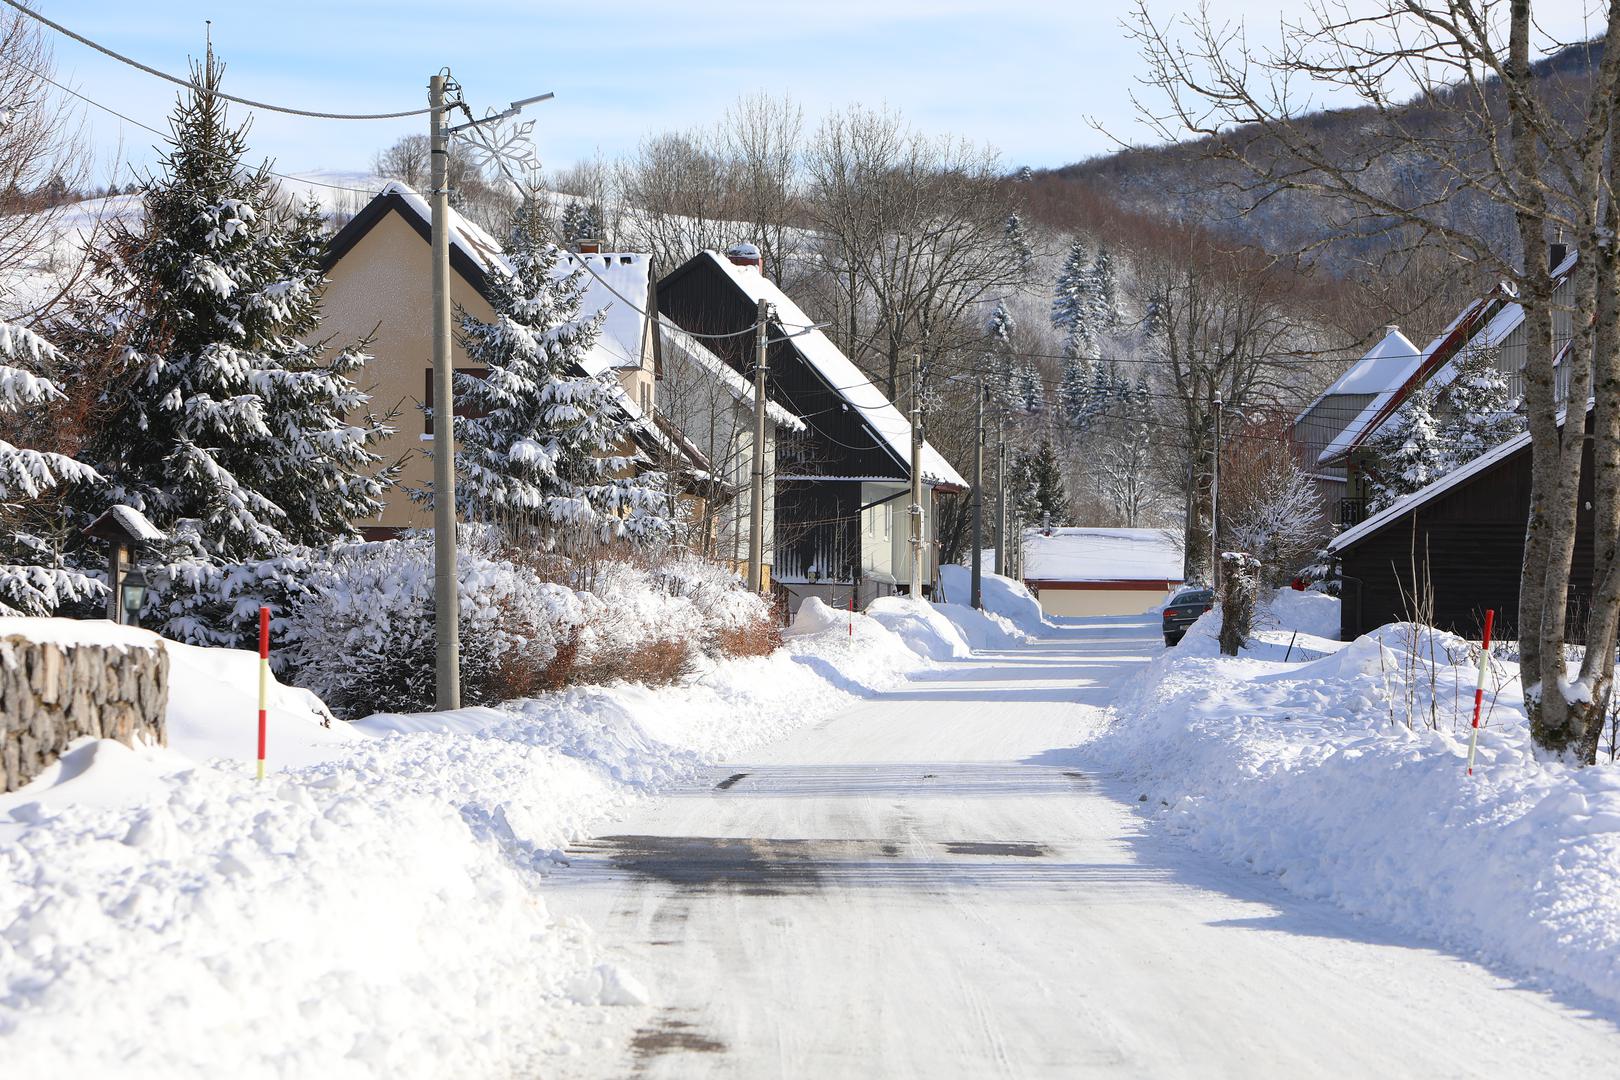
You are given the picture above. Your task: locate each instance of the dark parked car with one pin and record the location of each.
(1183, 610)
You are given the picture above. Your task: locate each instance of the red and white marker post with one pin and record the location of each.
(264, 678)
(852, 612)
(1479, 687)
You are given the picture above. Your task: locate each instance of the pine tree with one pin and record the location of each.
(545, 447)
(1071, 303)
(221, 417)
(33, 578)
(1036, 493)
(581, 221)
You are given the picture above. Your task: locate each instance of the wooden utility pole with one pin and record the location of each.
(446, 607)
(1215, 503)
(977, 569)
(756, 491)
(917, 544)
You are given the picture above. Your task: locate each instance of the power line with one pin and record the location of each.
(121, 58)
(164, 135)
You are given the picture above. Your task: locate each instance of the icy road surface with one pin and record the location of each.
(930, 886)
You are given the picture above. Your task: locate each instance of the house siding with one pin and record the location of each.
(1472, 539)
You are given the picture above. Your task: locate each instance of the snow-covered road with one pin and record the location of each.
(930, 885)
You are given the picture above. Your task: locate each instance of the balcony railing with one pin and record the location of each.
(1350, 512)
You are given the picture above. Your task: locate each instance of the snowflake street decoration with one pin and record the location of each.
(507, 147)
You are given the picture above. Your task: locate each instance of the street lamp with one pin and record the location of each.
(133, 595)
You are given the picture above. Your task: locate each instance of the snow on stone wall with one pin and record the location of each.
(54, 689)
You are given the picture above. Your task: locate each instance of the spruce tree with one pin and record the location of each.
(1074, 389)
(221, 415)
(1036, 493)
(33, 578)
(545, 449)
(1072, 312)
(1104, 291)
(1031, 389)
(1001, 365)
(1020, 243)
(1476, 411)
(1407, 453)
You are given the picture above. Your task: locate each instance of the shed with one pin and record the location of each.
(1089, 571)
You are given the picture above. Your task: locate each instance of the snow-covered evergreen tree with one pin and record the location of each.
(1019, 242)
(581, 221)
(1104, 290)
(1002, 376)
(1072, 311)
(1476, 410)
(1407, 453)
(33, 578)
(1031, 388)
(545, 449)
(221, 415)
(1036, 492)
(1074, 389)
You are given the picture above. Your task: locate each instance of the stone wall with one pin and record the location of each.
(54, 692)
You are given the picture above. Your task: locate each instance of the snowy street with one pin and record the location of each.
(933, 884)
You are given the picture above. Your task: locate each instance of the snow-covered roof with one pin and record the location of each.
(840, 372)
(1388, 363)
(1355, 429)
(1086, 554)
(738, 387)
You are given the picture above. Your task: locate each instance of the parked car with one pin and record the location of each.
(1183, 610)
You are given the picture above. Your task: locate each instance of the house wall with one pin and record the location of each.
(1471, 538)
(1099, 598)
(383, 287)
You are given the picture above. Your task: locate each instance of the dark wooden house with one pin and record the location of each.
(842, 484)
(1464, 535)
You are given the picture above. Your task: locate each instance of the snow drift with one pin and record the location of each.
(1343, 777)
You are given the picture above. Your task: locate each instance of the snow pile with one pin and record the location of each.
(983, 629)
(1002, 596)
(1344, 777)
(1308, 612)
(921, 626)
(375, 906)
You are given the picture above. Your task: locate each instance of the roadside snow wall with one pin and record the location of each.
(111, 684)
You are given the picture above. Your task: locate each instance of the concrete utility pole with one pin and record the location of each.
(446, 605)
(756, 491)
(1215, 503)
(1001, 496)
(977, 571)
(916, 479)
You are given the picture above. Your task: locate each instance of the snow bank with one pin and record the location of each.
(1308, 612)
(1310, 772)
(921, 626)
(1002, 596)
(375, 908)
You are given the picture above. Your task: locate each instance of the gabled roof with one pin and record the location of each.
(888, 426)
(618, 283)
(1387, 364)
(1485, 322)
(704, 358)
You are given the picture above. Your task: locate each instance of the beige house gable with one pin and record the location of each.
(380, 286)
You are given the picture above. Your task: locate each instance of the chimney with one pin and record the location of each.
(744, 254)
(1392, 328)
(1557, 252)
(588, 245)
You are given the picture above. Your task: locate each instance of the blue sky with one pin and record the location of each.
(1023, 75)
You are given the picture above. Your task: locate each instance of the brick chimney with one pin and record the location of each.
(744, 254)
(588, 245)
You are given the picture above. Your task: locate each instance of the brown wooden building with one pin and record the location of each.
(1465, 532)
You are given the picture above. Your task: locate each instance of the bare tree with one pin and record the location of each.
(760, 142)
(1455, 86)
(676, 191)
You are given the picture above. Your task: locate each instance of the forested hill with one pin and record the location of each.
(1181, 183)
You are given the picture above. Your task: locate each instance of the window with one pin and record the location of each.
(888, 519)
